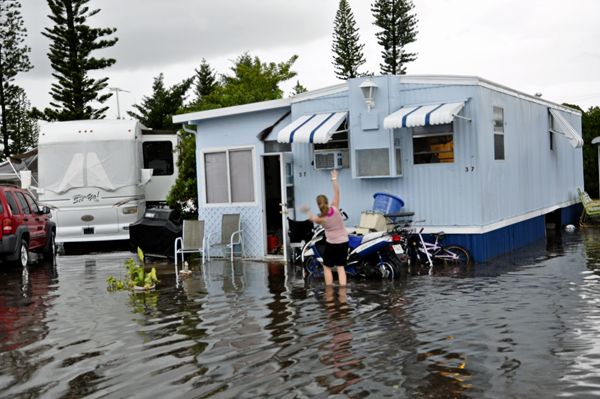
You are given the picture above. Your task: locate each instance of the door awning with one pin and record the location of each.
(423, 115)
(567, 130)
(313, 128)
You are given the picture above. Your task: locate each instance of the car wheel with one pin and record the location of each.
(23, 257)
(50, 251)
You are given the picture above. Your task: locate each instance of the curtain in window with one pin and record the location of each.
(242, 176)
(215, 167)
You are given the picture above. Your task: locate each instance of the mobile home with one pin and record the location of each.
(485, 163)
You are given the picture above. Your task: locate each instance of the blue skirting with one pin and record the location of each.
(486, 246)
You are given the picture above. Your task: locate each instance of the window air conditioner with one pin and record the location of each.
(329, 160)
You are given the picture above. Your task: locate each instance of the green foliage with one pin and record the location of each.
(144, 302)
(185, 188)
(13, 60)
(72, 42)
(206, 80)
(135, 276)
(348, 56)
(157, 112)
(298, 89)
(590, 127)
(23, 130)
(251, 81)
(398, 30)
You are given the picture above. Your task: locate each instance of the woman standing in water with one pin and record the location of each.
(336, 237)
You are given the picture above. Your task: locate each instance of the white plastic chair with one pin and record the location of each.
(193, 240)
(231, 226)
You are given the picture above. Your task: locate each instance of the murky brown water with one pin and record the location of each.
(525, 325)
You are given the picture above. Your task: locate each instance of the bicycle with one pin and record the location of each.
(416, 248)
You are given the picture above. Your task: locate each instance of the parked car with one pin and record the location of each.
(25, 227)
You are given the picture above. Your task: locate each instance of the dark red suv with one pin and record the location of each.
(25, 227)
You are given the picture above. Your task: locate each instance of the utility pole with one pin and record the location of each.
(117, 90)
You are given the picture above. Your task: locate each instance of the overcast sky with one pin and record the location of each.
(546, 46)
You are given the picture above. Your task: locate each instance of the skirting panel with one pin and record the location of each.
(486, 246)
(253, 234)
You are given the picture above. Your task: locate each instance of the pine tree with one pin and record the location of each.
(298, 89)
(13, 59)
(157, 112)
(23, 130)
(252, 81)
(398, 30)
(206, 80)
(71, 58)
(348, 56)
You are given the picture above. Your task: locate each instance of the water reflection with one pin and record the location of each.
(343, 362)
(25, 294)
(522, 325)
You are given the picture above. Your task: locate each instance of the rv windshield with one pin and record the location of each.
(108, 165)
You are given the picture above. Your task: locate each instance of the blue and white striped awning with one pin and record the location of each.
(423, 115)
(567, 130)
(313, 128)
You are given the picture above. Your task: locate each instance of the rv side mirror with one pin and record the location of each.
(46, 210)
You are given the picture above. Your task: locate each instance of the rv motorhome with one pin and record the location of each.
(100, 175)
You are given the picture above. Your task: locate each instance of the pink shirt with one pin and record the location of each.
(335, 231)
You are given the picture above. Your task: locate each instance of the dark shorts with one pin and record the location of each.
(335, 254)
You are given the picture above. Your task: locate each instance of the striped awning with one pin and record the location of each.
(423, 115)
(313, 128)
(567, 130)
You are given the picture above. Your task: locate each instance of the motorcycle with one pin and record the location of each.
(374, 255)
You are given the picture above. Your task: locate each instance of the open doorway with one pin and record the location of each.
(272, 187)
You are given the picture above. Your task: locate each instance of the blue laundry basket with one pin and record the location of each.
(387, 203)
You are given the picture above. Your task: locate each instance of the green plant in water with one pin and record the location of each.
(135, 276)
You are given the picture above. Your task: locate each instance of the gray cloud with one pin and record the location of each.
(528, 45)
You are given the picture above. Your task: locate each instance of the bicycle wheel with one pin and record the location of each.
(459, 254)
(311, 266)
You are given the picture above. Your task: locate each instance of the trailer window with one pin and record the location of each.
(498, 134)
(158, 155)
(433, 144)
(108, 165)
(229, 176)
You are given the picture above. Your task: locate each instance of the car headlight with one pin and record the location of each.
(130, 210)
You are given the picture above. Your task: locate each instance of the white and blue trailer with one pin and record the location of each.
(488, 165)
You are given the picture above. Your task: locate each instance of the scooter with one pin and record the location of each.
(374, 255)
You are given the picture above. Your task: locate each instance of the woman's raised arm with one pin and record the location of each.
(336, 189)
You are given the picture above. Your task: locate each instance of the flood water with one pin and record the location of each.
(526, 324)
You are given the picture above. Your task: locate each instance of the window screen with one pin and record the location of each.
(242, 176)
(339, 141)
(398, 153)
(158, 155)
(274, 146)
(498, 134)
(433, 144)
(229, 177)
(373, 162)
(215, 166)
